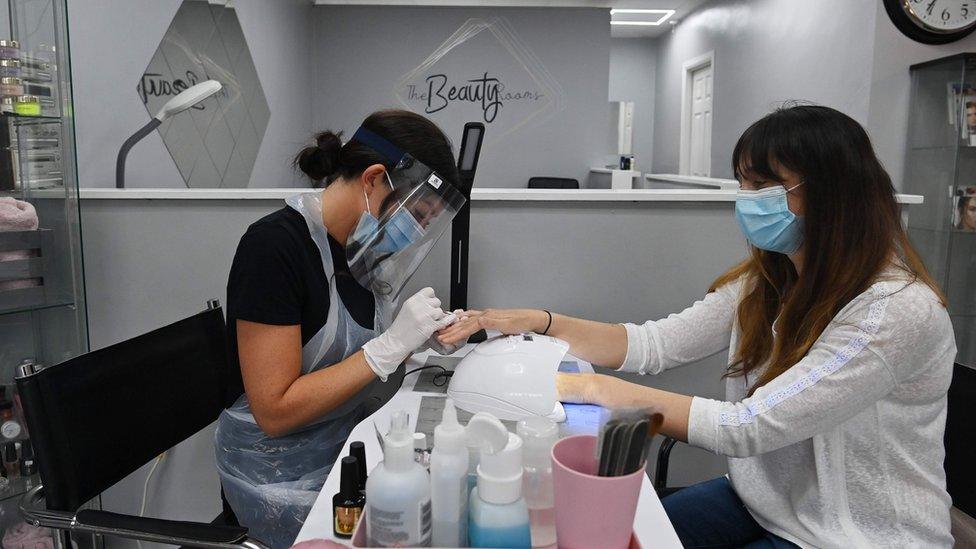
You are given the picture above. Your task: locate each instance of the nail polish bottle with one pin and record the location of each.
(11, 462)
(347, 505)
(358, 450)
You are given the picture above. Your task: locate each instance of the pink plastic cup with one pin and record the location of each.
(591, 511)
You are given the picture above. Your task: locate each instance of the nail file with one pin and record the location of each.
(614, 437)
(603, 446)
(623, 448)
(635, 452)
(646, 447)
(437, 346)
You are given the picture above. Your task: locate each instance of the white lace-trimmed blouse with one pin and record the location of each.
(845, 448)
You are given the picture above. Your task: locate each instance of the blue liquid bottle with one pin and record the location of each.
(497, 514)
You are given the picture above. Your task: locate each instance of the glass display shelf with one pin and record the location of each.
(43, 312)
(962, 148)
(22, 118)
(18, 487)
(32, 308)
(941, 166)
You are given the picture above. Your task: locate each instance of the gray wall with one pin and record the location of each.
(356, 76)
(766, 51)
(112, 42)
(147, 265)
(632, 78)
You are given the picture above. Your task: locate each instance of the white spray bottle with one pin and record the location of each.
(449, 481)
(498, 515)
(398, 493)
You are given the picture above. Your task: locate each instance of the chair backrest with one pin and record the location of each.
(960, 444)
(98, 417)
(553, 183)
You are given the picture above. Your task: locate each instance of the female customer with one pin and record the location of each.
(310, 300)
(841, 354)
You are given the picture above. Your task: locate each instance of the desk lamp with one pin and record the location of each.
(473, 136)
(184, 100)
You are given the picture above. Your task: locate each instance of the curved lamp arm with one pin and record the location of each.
(184, 100)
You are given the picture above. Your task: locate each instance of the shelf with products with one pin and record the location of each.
(941, 161)
(42, 292)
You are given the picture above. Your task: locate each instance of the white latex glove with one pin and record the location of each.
(418, 319)
(437, 346)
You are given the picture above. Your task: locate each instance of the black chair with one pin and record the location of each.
(960, 447)
(99, 417)
(553, 183)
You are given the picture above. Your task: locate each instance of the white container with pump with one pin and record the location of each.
(538, 436)
(398, 493)
(449, 481)
(498, 515)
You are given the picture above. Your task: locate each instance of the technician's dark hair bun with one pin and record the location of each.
(330, 160)
(320, 161)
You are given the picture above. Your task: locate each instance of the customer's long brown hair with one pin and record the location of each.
(852, 232)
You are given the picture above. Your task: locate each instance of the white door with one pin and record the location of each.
(700, 158)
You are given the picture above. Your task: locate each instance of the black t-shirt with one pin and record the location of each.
(277, 278)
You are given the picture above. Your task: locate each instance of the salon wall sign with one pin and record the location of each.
(484, 71)
(155, 85)
(487, 91)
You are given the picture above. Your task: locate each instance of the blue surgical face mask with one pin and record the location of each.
(365, 229)
(766, 220)
(401, 230)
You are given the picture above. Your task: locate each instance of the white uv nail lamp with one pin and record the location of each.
(511, 377)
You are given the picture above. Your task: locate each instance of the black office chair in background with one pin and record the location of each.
(97, 418)
(960, 456)
(553, 183)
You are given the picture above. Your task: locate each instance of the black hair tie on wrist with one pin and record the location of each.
(549, 325)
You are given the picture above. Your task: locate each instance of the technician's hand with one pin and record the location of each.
(419, 318)
(506, 321)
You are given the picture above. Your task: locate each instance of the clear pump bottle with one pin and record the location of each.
(449, 481)
(498, 515)
(398, 493)
(538, 436)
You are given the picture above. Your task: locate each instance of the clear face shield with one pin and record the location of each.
(421, 207)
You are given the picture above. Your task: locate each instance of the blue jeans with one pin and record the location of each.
(710, 514)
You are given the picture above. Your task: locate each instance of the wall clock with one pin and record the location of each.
(933, 21)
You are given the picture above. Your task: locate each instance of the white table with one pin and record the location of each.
(651, 525)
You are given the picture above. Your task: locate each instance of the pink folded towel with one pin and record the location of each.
(25, 536)
(16, 215)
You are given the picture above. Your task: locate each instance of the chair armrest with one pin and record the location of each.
(104, 523)
(176, 529)
(663, 460)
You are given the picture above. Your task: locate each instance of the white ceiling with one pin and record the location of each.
(681, 7)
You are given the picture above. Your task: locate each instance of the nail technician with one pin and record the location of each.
(311, 296)
(841, 355)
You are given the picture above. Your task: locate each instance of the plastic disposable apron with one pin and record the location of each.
(272, 482)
